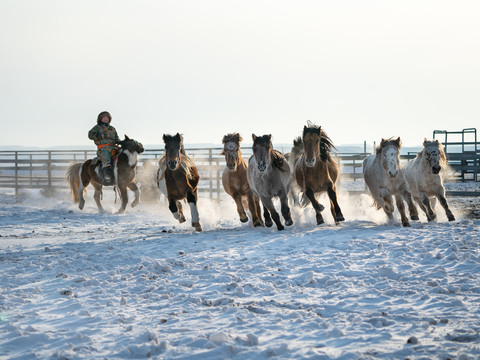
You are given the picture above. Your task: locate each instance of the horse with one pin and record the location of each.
(268, 175)
(234, 180)
(385, 178)
(292, 157)
(316, 172)
(124, 168)
(178, 179)
(424, 180)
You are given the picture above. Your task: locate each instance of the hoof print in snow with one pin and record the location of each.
(66, 292)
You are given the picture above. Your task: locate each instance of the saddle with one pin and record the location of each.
(96, 162)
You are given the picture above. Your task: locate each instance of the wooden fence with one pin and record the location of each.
(45, 169)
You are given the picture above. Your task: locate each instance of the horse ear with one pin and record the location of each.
(425, 141)
(383, 143)
(399, 142)
(164, 138)
(126, 137)
(269, 137)
(254, 137)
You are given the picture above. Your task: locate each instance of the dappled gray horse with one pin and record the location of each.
(425, 181)
(384, 177)
(268, 175)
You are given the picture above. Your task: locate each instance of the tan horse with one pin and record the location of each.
(234, 180)
(317, 172)
(425, 181)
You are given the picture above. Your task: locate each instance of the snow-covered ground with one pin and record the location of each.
(79, 285)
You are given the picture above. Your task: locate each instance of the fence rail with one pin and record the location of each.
(45, 169)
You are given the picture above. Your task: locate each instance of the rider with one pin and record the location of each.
(105, 137)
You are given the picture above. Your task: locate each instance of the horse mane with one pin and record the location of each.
(186, 163)
(277, 159)
(385, 142)
(326, 144)
(232, 137)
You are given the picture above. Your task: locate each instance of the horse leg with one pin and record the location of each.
(401, 210)
(254, 207)
(412, 209)
(97, 195)
(124, 197)
(316, 205)
(132, 186)
(268, 204)
(332, 194)
(175, 207)
(266, 215)
(240, 210)
(443, 202)
(285, 209)
(426, 202)
(192, 202)
(387, 203)
(81, 192)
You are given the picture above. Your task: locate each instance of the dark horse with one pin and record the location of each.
(178, 179)
(268, 175)
(234, 180)
(124, 168)
(316, 171)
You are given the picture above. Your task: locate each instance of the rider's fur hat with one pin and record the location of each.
(102, 114)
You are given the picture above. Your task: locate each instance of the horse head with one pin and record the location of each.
(231, 150)
(389, 150)
(131, 145)
(311, 142)
(434, 155)
(173, 150)
(262, 148)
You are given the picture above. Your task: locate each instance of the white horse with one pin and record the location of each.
(425, 181)
(384, 177)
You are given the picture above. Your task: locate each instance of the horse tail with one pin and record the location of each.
(73, 179)
(303, 200)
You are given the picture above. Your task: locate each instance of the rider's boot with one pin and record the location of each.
(107, 175)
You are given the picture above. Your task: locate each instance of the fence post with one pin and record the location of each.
(16, 174)
(218, 180)
(210, 172)
(49, 171)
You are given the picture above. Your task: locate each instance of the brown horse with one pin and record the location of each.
(178, 179)
(234, 180)
(81, 174)
(316, 171)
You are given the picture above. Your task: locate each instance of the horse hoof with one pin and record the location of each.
(289, 222)
(268, 223)
(182, 219)
(135, 203)
(244, 220)
(197, 226)
(339, 218)
(406, 224)
(320, 221)
(451, 218)
(414, 217)
(258, 223)
(81, 205)
(280, 227)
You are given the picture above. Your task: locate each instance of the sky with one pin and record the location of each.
(362, 70)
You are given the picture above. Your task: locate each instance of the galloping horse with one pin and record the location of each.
(268, 175)
(234, 180)
(292, 157)
(124, 168)
(316, 171)
(178, 179)
(424, 180)
(384, 177)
